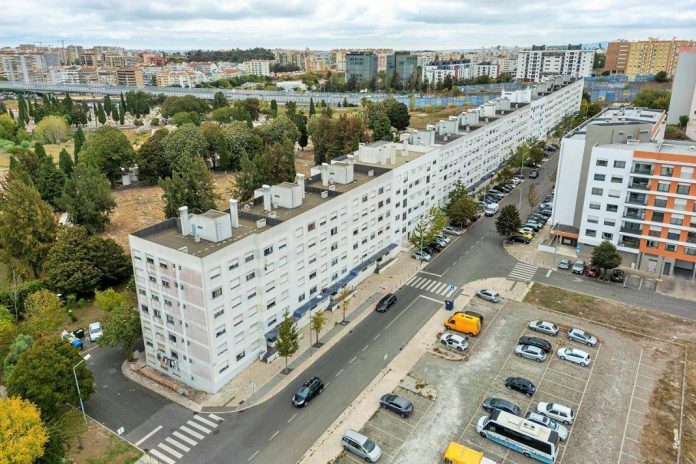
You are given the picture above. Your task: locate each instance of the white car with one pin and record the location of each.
(580, 336)
(557, 412)
(451, 230)
(95, 331)
(454, 341)
(443, 238)
(530, 352)
(549, 328)
(421, 256)
(574, 355)
(487, 294)
(549, 424)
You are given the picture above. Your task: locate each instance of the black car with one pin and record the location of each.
(534, 174)
(536, 341)
(489, 404)
(521, 385)
(309, 390)
(386, 302)
(79, 333)
(395, 403)
(436, 245)
(617, 275)
(519, 239)
(430, 250)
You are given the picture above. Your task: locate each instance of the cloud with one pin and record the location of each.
(408, 24)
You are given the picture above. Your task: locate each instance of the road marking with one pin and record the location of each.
(217, 418)
(140, 442)
(400, 314)
(339, 372)
(364, 347)
(253, 455)
(376, 337)
(173, 442)
(439, 287)
(193, 433)
(198, 426)
(205, 421)
(352, 360)
(294, 416)
(161, 456)
(408, 282)
(431, 286)
(431, 273)
(274, 435)
(428, 298)
(183, 437)
(326, 385)
(549, 273)
(171, 451)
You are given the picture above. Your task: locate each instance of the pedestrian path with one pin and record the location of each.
(432, 286)
(523, 272)
(187, 436)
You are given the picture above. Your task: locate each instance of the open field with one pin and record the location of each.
(101, 446)
(421, 118)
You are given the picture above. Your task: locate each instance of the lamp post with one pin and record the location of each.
(77, 384)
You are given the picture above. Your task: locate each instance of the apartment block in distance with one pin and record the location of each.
(362, 65)
(653, 55)
(541, 61)
(132, 77)
(620, 180)
(213, 287)
(616, 58)
(403, 64)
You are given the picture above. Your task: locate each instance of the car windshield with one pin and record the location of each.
(369, 445)
(303, 392)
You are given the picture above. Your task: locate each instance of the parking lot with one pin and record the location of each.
(610, 397)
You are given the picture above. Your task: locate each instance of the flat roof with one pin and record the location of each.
(674, 147)
(619, 117)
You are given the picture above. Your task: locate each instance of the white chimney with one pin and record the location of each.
(325, 174)
(382, 156)
(266, 197)
(184, 218)
(234, 213)
(300, 182)
(351, 159)
(393, 157)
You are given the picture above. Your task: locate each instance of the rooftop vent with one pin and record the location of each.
(261, 223)
(371, 173)
(325, 194)
(272, 214)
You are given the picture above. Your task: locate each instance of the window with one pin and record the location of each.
(217, 292)
(241, 355)
(157, 313)
(234, 283)
(170, 319)
(599, 177)
(609, 222)
(679, 204)
(172, 338)
(220, 331)
(268, 250)
(144, 308)
(686, 172)
(250, 276)
(214, 273)
(677, 219)
(593, 219)
(313, 275)
(597, 191)
(663, 186)
(251, 295)
(616, 179)
(614, 193)
(661, 202)
(658, 217)
(651, 243)
(282, 244)
(269, 287)
(666, 171)
(311, 226)
(232, 264)
(224, 368)
(590, 232)
(236, 302)
(249, 257)
(237, 320)
(607, 236)
(594, 205)
(334, 230)
(690, 251)
(162, 265)
(221, 348)
(602, 162)
(612, 208)
(218, 313)
(620, 164)
(670, 247)
(298, 232)
(673, 234)
(683, 189)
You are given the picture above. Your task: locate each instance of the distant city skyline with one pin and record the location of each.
(410, 24)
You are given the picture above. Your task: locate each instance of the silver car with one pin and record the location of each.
(489, 295)
(454, 341)
(530, 352)
(574, 355)
(548, 423)
(580, 336)
(546, 327)
(452, 230)
(564, 264)
(421, 256)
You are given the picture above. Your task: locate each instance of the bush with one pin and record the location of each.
(25, 289)
(154, 122)
(137, 122)
(52, 129)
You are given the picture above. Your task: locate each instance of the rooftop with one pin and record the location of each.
(620, 116)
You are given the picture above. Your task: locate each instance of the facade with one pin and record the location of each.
(461, 69)
(653, 55)
(683, 101)
(619, 180)
(617, 56)
(213, 287)
(507, 66)
(186, 79)
(132, 77)
(362, 65)
(541, 61)
(23, 67)
(404, 64)
(257, 67)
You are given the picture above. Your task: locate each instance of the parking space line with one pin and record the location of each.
(641, 399)
(544, 392)
(294, 416)
(397, 418)
(349, 456)
(413, 427)
(644, 387)
(339, 372)
(631, 439)
(568, 375)
(251, 458)
(630, 456)
(654, 379)
(561, 385)
(384, 431)
(274, 435)
(142, 440)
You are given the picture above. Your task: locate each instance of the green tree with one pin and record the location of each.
(152, 162)
(508, 221)
(87, 198)
(51, 180)
(288, 339)
(122, 328)
(223, 115)
(650, 97)
(107, 104)
(42, 375)
(109, 299)
(397, 113)
(378, 121)
(605, 256)
(278, 129)
(173, 105)
(181, 118)
(461, 210)
(344, 296)
(65, 162)
(101, 115)
(22, 433)
(27, 226)
(8, 128)
(20, 344)
(79, 140)
(44, 314)
(220, 100)
(318, 321)
(190, 185)
(216, 144)
(312, 109)
(505, 175)
(241, 140)
(121, 114)
(274, 108)
(186, 141)
(110, 150)
(427, 227)
(661, 76)
(683, 120)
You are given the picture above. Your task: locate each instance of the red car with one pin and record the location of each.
(592, 271)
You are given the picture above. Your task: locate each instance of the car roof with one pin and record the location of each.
(579, 352)
(357, 436)
(560, 407)
(94, 325)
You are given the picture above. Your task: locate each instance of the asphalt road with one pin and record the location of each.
(276, 432)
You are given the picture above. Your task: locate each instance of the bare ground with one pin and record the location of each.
(420, 119)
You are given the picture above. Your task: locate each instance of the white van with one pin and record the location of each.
(490, 209)
(361, 445)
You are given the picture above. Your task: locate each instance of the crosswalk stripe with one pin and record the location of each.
(419, 281)
(205, 421)
(217, 418)
(445, 290)
(173, 442)
(423, 284)
(439, 288)
(451, 292)
(193, 433)
(171, 451)
(183, 437)
(162, 457)
(198, 426)
(431, 285)
(411, 280)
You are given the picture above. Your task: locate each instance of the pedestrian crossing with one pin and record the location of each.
(523, 272)
(432, 286)
(182, 440)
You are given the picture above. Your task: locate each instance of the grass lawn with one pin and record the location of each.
(102, 447)
(52, 150)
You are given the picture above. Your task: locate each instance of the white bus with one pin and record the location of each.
(532, 440)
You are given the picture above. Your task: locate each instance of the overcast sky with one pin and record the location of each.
(326, 24)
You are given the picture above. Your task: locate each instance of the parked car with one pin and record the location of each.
(557, 412)
(307, 391)
(429, 250)
(421, 256)
(490, 209)
(534, 174)
(521, 385)
(617, 275)
(519, 239)
(443, 239)
(581, 336)
(592, 271)
(489, 295)
(79, 333)
(457, 342)
(549, 424)
(530, 352)
(95, 331)
(549, 328)
(526, 234)
(489, 404)
(451, 230)
(397, 404)
(386, 302)
(564, 264)
(540, 343)
(360, 445)
(533, 225)
(435, 245)
(538, 218)
(544, 212)
(578, 267)
(574, 355)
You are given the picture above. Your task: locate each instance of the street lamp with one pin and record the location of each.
(77, 384)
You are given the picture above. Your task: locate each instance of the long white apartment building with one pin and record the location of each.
(540, 61)
(620, 180)
(213, 287)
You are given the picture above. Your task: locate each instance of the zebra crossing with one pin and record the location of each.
(182, 440)
(523, 272)
(432, 286)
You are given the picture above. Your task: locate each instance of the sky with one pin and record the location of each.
(326, 24)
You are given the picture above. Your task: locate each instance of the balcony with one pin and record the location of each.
(629, 242)
(691, 237)
(642, 170)
(640, 216)
(642, 184)
(631, 230)
(637, 200)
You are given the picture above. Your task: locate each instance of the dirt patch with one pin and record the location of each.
(420, 119)
(99, 446)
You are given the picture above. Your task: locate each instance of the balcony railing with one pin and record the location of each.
(638, 186)
(628, 242)
(690, 239)
(632, 230)
(638, 216)
(637, 201)
(645, 172)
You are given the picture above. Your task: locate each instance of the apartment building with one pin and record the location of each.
(653, 55)
(462, 69)
(213, 287)
(362, 65)
(185, 78)
(20, 66)
(619, 180)
(616, 58)
(540, 61)
(402, 63)
(683, 101)
(132, 77)
(257, 67)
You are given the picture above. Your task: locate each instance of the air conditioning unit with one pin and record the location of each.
(332, 187)
(261, 223)
(325, 194)
(371, 173)
(272, 214)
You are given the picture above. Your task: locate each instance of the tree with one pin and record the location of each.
(505, 175)
(50, 181)
(683, 120)
(22, 433)
(288, 339)
(508, 222)
(461, 210)
(110, 150)
(121, 114)
(107, 104)
(186, 141)
(397, 113)
(190, 185)
(220, 100)
(277, 129)
(241, 140)
(428, 226)
(122, 328)
(661, 76)
(44, 314)
(191, 117)
(151, 160)
(318, 320)
(274, 108)
(7, 328)
(101, 115)
(532, 196)
(8, 128)
(43, 375)
(605, 256)
(27, 226)
(20, 344)
(173, 105)
(335, 137)
(312, 109)
(650, 97)
(378, 121)
(65, 162)
(79, 140)
(109, 299)
(344, 297)
(87, 198)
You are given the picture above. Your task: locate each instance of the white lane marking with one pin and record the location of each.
(173, 442)
(408, 282)
(294, 416)
(431, 273)
(183, 437)
(274, 435)
(423, 284)
(431, 286)
(198, 426)
(205, 421)
(352, 360)
(439, 288)
(428, 298)
(376, 337)
(171, 451)
(549, 272)
(217, 418)
(193, 433)
(339, 372)
(451, 292)
(253, 456)
(161, 456)
(364, 347)
(142, 440)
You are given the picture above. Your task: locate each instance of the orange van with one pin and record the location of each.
(464, 323)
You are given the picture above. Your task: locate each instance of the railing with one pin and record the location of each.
(630, 243)
(640, 216)
(636, 201)
(639, 186)
(631, 230)
(690, 239)
(646, 172)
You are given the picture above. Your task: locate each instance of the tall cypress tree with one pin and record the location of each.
(114, 113)
(65, 162)
(101, 116)
(122, 114)
(123, 103)
(107, 104)
(79, 140)
(312, 110)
